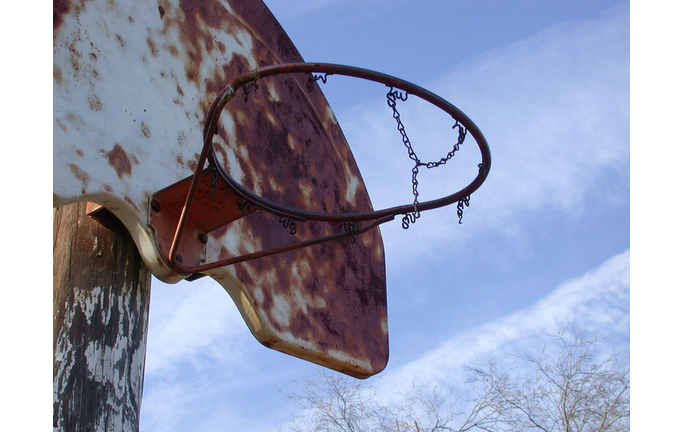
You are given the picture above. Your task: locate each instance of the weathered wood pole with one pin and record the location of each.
(100, 311)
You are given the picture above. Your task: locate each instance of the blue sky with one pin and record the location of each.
(546, 240)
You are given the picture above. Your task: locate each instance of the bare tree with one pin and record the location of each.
(331, 402)
(573, 385)
(438, 409)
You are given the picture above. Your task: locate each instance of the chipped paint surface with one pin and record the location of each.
(113, 367)
(132, 82)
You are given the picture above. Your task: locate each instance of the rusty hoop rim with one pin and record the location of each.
(230, 90)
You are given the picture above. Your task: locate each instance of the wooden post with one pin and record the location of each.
(100, 312)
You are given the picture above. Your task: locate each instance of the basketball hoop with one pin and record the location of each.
(249, 201)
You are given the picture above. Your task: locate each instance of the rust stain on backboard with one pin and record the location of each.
(59, 9)
(325, 303)
(81, 175)
(120, 161)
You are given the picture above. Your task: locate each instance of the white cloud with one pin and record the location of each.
(555, 111)
(598, 302)
(189, 322)
(555, 108)
(203, 363)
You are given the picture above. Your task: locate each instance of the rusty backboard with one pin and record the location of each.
(132, 84)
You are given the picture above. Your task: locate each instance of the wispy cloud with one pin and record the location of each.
(598, 302)
(203, 363)
(190, 319)
(555, 110)
(200, 348)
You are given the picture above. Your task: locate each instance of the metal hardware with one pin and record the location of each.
(312, 78)
(288, 223)
(287, 214)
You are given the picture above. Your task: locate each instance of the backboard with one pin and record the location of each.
(133, 82)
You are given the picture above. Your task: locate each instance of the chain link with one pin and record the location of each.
(288, 223)
(312, 78)
(392, 97)
(465, 202)
(248, 88)
(350, 226)
(244, 205)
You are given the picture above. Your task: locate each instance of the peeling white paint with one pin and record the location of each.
(112, 366)
(281, 310)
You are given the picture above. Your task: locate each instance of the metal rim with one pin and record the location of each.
(229, 92)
